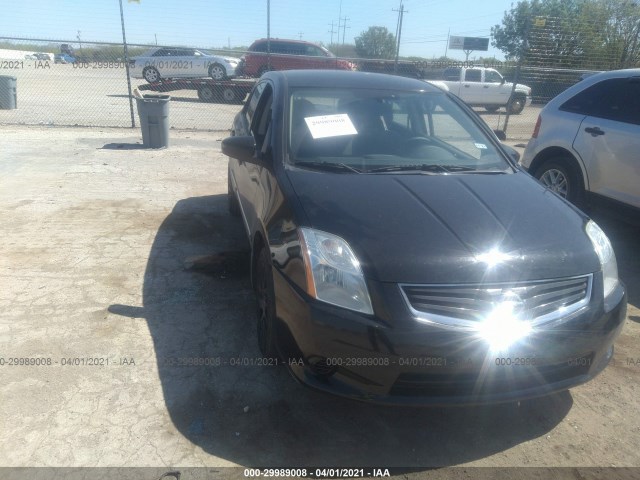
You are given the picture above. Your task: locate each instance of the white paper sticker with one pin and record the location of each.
(481, 146)
(330, 126)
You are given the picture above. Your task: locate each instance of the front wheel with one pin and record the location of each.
(217, 72)
(266, 324)
(516, 106)
(560, 177)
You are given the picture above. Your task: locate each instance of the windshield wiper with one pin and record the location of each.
(423, 167)
(434, 168)
(329, 166)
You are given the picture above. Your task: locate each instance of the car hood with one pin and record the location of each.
(448, 228)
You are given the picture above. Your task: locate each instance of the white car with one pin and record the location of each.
(178, 62)
(586, 142)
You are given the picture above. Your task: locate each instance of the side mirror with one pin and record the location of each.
(501, 135)
(502, 82)
(242, 148)
(512, 152)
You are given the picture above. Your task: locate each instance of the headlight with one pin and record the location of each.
(333, 271)
(605, 253)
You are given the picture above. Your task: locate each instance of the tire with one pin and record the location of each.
(491, 108)
(232, 201)
(217, 72)
(151, 75)
(229, 95)
(266, 321)
(516, 106)
(560, 176)
(206, 94)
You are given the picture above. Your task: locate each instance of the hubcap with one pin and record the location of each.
(151, 76)
(217, 73)
(556, 181)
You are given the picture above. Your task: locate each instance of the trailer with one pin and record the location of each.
(226, 91)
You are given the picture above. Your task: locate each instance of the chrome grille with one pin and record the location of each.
(465, 305)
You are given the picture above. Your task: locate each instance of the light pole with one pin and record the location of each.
(126, 66)
(80, 42)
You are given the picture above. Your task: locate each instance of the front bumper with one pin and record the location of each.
(408, 363)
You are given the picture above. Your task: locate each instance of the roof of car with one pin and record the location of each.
(260, 40)
(348, 79)
(587, 82)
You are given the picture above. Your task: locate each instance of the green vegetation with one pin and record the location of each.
(376, 42)
(586, 34)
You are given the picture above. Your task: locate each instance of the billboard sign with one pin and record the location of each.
(468, 43)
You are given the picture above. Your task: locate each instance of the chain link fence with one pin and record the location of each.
(67, 83)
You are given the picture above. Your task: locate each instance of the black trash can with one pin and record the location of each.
(153, 111)
(8, 92)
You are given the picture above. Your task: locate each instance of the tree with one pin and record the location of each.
(615, 36)
(559, 41)
(376, 42)
(589, 34)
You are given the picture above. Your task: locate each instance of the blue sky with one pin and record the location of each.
(217, 23)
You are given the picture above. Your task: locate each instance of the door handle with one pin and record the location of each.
(486, 86)
(467, 86)
(594, 131)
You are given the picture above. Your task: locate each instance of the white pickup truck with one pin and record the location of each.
(485, 87)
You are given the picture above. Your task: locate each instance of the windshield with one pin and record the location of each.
(372, 131)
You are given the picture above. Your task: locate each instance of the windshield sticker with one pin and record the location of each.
(330, 126)
(481, 146)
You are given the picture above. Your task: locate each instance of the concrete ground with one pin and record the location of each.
(120, 265)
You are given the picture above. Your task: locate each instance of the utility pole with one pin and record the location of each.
(269, 34)
(401, 16)
(344, 28)
(126, 66)
(332, 31)
(80, 42)
(156, 37)
(300, 35)
(446, 48)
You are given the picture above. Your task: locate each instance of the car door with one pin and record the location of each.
(162, 61)
(496, 92)
(471, 90)
(199, 63)
(239, 172)
(180, 62)
(608, 140)
(295, 56)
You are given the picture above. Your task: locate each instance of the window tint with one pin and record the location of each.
(473, 76)
(622, 102)
(252, 103)
(262, 118)
(586, 102)
(260, 47)
(161, 53)
(491, 76)
(452, 74)
(313, 51)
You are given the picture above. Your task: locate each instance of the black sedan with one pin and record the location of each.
(398, 253)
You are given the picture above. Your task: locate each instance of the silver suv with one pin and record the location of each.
(586, 142)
